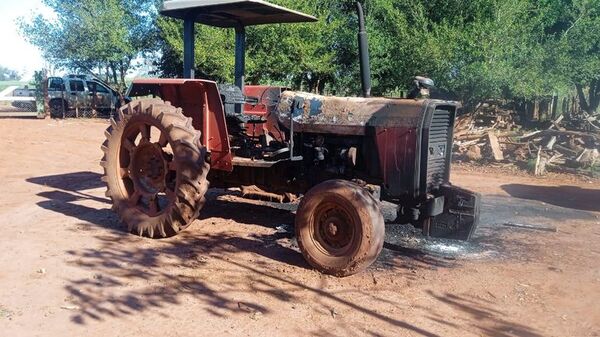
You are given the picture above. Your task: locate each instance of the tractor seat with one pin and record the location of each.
(233, 97)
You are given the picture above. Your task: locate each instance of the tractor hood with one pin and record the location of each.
(352, 115)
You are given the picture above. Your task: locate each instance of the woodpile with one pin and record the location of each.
(494, 135)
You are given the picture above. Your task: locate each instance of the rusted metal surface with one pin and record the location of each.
(398, 150)
(266, 99)
(256, 192)
(347, 115)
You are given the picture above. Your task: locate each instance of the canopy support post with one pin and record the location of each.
(240, 56)
(188, 48)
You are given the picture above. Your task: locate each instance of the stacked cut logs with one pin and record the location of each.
(491, 134)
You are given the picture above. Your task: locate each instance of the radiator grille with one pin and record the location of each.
(438, 150)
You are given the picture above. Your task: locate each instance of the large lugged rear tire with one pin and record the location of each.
(340, 228)
(155, 168)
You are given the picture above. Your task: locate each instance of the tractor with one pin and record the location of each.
(343, 155)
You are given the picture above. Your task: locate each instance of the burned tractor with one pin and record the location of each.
(344, 155)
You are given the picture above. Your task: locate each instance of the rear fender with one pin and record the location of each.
(201, 101)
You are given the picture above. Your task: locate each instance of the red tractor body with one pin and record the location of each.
(344, 154)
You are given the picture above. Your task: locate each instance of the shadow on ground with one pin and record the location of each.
(479, 315)
(226, 274)
(563, 196)
(209, 271)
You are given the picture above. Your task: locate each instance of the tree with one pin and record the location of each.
(106, 35)
(477, 49)
(214, 52)
(473, 49)
(285, 54)
(300, 55)
(572, 28)
(7, 74)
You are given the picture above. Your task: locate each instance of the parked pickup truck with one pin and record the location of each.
(80, 92)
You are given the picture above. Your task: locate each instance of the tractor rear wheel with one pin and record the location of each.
(155, 168)
(340, 228)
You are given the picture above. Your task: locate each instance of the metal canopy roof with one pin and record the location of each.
(232, 13)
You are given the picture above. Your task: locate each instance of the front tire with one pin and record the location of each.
(340, 228)
(154, 168)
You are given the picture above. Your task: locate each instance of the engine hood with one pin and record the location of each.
(350, 115)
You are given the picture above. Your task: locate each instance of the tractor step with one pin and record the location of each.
(249, 162)
(459, 217)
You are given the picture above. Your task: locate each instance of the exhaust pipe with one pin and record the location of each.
(363, 48)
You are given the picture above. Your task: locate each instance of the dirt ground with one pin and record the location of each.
(68, 269)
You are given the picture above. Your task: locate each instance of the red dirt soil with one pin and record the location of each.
(68, 269)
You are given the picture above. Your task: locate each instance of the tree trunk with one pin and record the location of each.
(321, 87)
(122, 71)
(46, 98)
(536, 110)
(113, 68)
(594, 95)
(590, 103)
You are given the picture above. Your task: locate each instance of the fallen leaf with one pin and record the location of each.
(70, 307)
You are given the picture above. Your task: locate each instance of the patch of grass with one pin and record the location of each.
(6, 84)
(531, 165)
(5, 313)
(595, 170)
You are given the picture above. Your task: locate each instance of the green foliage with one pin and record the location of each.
(6, 84)
(38, 84)
(7, 74)
(94, 34)
(473, 49)
(573, 28)
(214, 52)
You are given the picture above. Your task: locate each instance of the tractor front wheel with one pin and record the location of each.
(58, 108)
(155, 168)
(340, 228)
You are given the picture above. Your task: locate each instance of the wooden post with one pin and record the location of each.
(536, 110)
(46, 98)
(62, 95)
(94, 102)
(495, 145)
(551, 112)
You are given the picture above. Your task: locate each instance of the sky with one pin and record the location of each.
(16, 53)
